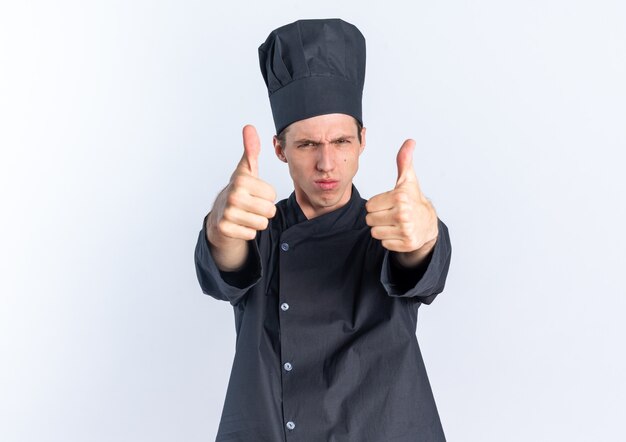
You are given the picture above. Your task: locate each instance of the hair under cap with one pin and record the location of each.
(313, 67)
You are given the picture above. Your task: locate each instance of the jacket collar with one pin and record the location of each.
(344, 218)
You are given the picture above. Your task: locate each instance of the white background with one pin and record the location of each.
(120, 121)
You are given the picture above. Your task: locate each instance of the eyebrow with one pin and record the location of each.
(340, 137)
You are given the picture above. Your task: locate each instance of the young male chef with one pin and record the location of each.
(325, 285)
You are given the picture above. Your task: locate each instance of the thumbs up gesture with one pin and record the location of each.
(246, 204)
(403, 219)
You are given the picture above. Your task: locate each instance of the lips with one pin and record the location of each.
(327, 184)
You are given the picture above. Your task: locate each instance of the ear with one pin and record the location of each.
(279, 150)
(362, 140)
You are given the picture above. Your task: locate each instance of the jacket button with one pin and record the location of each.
(284, 246)
(284, 306)
(287, 366)
(291, 425)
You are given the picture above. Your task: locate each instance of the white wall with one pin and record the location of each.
(120, 122)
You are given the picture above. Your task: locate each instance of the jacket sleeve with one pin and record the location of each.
(225, 286)
(425, 282)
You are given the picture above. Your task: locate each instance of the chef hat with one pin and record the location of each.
(313, 67)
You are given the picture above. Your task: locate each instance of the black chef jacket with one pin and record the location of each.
(326, 349)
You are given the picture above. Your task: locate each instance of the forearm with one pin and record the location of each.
(229, 254)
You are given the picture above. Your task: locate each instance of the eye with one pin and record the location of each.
(305, 145)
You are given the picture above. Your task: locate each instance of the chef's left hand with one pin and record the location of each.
(403, 219)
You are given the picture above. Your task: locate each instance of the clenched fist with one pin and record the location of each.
(242, 208)
(403, 219)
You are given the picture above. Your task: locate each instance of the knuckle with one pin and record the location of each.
(406, 234)
(409, 228)
(413, 242)
(400, 197)
(222, 226)
(228, 213)
(233, 199)
(239, 181)
(272, 193)
(402, 215)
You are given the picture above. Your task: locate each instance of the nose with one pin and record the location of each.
(326, 158)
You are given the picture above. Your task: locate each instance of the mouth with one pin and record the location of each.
(326, 184)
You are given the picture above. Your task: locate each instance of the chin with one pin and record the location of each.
(331, 197)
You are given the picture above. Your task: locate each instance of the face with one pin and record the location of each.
(322, 153)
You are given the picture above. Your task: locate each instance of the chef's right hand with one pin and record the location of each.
(244, 206)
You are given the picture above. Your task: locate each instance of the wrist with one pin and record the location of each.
(416, 257)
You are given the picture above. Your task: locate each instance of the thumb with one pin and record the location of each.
(404, 161)
(251, 150)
